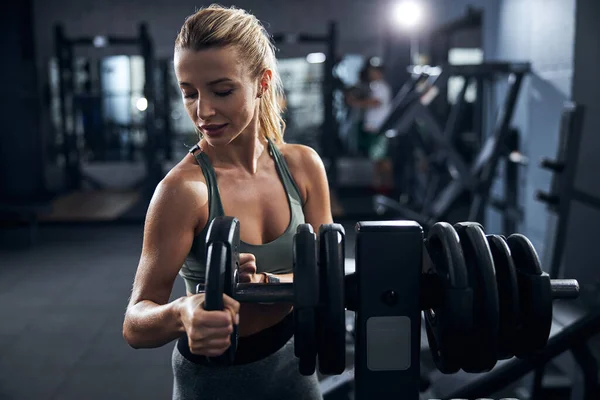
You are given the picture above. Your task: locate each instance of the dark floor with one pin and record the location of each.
(62, 304)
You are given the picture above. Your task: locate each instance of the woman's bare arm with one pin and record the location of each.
(150, 320)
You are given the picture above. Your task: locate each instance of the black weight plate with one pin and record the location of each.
(306, 297)
(306, 348)
(222, 263)
(226, 230)
(535, 294)
(483, 349)
(449, 321)
(331, 322)
(508, 296)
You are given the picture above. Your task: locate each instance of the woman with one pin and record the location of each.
(227, 72)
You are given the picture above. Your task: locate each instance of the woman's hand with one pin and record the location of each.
(247, 272)
(209, 332)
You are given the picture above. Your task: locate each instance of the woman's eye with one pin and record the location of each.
(189, 96)
(223, 94)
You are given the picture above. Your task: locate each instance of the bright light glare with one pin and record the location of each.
(141, 104)
(100, 41)
(408, 14)
(316, 58)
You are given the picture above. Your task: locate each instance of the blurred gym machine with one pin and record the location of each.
(449, 174)
(79, 111)
(574, 324)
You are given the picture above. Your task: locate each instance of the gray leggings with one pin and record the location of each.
(273, 377)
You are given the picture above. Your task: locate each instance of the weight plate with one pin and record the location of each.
(222, 263)
(305, 340)
(306, 297)
(483, 338)
(331, 324)
(448, 322)
(508, 296)
(535, 295)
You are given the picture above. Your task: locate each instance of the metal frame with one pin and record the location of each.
(563, 179)
(64, 50)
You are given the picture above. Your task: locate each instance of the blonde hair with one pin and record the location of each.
(218, 26)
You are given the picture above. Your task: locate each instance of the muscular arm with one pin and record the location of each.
(150, 320)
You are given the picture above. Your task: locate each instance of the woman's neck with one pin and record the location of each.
(244, 152)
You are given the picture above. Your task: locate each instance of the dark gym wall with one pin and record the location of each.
(21, 144)
(581, 260)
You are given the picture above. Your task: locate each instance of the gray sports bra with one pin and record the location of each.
(276, 256)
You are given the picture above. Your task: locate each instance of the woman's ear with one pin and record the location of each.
(265, 82)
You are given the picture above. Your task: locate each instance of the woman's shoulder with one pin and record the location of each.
(299, 155)
(183, 186)
(304, 163)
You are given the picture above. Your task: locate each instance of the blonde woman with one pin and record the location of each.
(241, 166)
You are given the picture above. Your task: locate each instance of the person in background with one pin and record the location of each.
(375, 103)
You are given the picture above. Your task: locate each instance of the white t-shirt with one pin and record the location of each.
(375, 116)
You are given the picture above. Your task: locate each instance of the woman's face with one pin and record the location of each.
(219, 94)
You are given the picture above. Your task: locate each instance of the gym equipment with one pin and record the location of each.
(564, 196)
(509, 315)
(317, 294)
(475, 178)
(572, 328)
(69, 138)
(222, 246)
(562, 188)
(458, 291)
(483, 337)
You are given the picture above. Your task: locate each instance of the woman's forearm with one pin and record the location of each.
(150, 325)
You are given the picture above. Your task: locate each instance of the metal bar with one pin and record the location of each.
(166, 110)
(330, 131)
(564, 288)
(489, 68)
(300, 38)
(154, 171)
(589, 368)
(443, 139)
(563, 184)
(261, 292)
(66, 86)
(486, 162)
(511, 184)
(264, 293)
